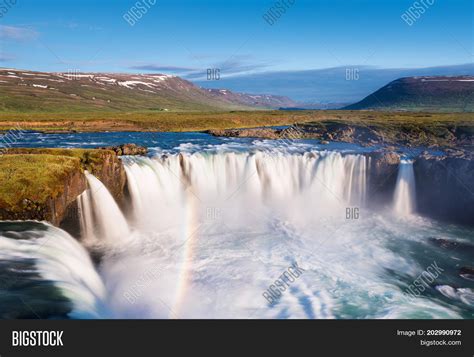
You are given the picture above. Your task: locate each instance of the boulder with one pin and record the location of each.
(127, 149)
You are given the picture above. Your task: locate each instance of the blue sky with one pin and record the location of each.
(185, 37)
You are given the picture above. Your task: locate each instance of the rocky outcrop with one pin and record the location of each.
(127, 149)
(382, 175)
(467, 273)
(57, 208)
(456, 139)
(110, 171)
(55, 200)
(444, 185)
(107, 167)
(445, 188)
(264, 133)
(452, 244)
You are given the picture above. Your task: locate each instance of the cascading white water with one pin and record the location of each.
(111, 223)
(86, 217)
(60, 258)
(324, 181)
(213, 230)
(216, 228)
(404, 199)
(229, 191)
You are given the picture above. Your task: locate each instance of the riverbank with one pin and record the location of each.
(201, 121)
(43, 184)
(454, 139)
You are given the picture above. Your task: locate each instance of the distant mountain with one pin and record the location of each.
(329, 86)
(320, 106)
(446, 94)
(252, 100)
(28, 91)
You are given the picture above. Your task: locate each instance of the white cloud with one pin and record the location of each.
(5, 57)
(17, 33)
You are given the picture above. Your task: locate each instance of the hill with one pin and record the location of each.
(28, 91)
(439, 94)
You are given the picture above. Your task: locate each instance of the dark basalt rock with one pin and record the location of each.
(128, 149)
(383, 170)
(452, 245)
(264, 133)
(467, 270)
(445, 188)
(467, 273)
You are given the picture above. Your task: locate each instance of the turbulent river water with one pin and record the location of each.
(212, 223)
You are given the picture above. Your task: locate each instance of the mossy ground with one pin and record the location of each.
(89, 159)
(193, 121)
(35, 175)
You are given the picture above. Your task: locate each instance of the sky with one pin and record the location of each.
(187, 37)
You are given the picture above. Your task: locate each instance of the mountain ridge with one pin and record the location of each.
(422, 93)
(328, 86)
(28, 91)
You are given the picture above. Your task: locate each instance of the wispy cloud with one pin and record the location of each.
(17, 33)
(240, 65)
(4, 57)
(233, 66)
(163, 68)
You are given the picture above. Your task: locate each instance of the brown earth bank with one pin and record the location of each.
(43, 184)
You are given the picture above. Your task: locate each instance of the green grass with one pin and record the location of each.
(89, 159)
(197, 121)
(35, 175)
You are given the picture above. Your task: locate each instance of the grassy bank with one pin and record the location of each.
(152, 121)
(89, 159)
(32, 177)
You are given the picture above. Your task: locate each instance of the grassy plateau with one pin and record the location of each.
(30, 177)
(198, 121)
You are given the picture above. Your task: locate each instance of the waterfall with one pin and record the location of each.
(111, 223)
(162, 188)
(212, 230)
(160, 182)
(323, 181)
(86, 217)
(60, 258)
(405, 193)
